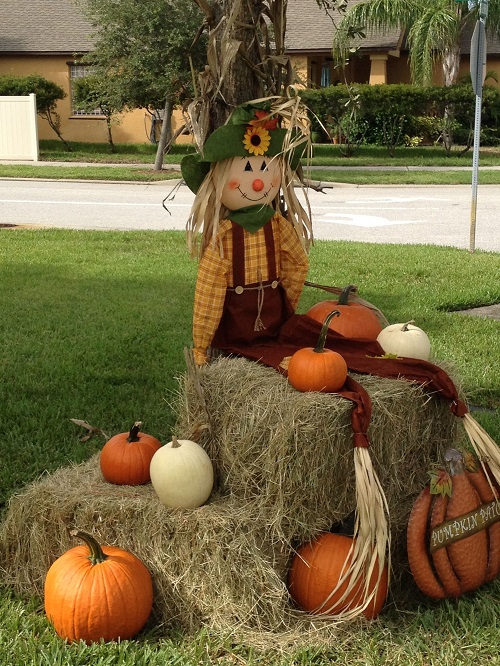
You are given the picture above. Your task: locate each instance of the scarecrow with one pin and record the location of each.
(253, 261)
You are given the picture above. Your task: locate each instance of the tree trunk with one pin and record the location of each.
(165, 135)
(110, 133)
(235, 21)
(54, 121)
(451, 62)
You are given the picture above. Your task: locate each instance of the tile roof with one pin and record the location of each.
(58, 26)
(310, 28)
(43, 26)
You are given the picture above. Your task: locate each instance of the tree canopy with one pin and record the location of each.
(142, 49)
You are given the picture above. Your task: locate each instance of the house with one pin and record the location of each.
(48, 37)
(381, 57)
(308, 40)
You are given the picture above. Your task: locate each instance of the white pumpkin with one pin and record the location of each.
(405, 340)
(182, 474)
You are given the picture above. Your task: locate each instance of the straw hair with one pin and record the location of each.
(486, 449)
(207, 210)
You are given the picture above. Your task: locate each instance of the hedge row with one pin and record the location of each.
(394, 114)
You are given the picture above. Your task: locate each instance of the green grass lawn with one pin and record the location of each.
(143, 155)
(93, 327)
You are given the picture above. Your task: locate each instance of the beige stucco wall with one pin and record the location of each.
(134, 125)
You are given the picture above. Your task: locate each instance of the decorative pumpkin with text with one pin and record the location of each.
(126, 457)
(453, 531)
(317, 569)
(356, 320)
(182, 474)
(95, 593)
(405, 340)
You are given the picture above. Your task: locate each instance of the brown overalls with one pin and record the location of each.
(253, 313)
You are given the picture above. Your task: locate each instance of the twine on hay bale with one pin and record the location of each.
(284, 470)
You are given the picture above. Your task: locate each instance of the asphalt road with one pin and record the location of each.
(427, 214)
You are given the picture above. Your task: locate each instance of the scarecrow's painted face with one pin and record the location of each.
(251, 181)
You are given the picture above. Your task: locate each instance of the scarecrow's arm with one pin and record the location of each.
(293, 260)
(209, 296)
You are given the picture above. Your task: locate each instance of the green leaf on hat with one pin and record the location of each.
(194, 171)
(243, 114)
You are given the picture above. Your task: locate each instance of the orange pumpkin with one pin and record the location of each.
(357, 321)
(453, 535)
(316, 570)
(318, 369)
(94, 593)
(126, 457)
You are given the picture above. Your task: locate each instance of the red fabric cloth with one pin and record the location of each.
(361, 356)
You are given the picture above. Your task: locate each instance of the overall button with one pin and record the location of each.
(238, 290)
(274, 284)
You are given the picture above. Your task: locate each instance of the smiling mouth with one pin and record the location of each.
(245, 196)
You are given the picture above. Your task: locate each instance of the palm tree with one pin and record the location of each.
(433, 30)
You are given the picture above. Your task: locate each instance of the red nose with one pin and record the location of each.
(258, 185)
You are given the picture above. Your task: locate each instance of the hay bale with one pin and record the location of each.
(290, 454)
(284, 469)
(196, 557)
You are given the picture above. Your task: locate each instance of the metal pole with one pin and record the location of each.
(478, 65)
(475, 165)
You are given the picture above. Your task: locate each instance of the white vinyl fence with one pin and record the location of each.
(18, 128)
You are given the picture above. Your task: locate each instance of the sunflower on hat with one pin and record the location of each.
(256, 139)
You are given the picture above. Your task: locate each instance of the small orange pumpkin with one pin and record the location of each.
(318, 369)
(357, 321)
(316, 570)
(95, 593)
(126, 457)
(453, 535)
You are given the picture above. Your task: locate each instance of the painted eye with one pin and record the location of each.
(248, 167)
(263, 166)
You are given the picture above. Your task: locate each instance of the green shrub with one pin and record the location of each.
(386, 114)
(47, 94)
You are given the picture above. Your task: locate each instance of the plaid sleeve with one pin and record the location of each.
(209, 296)
(292, 260)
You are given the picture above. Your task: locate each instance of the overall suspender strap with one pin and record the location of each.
(239, 254)
(270, 251)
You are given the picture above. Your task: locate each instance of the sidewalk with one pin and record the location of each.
(319, 168)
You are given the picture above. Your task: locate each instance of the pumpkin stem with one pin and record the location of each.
(96, 553)
(345, 293)
(134, 432)
(405, 326)
(175, 442)
(455, 461)
(320, 346)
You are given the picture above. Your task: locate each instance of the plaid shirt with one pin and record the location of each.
(215, 274)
